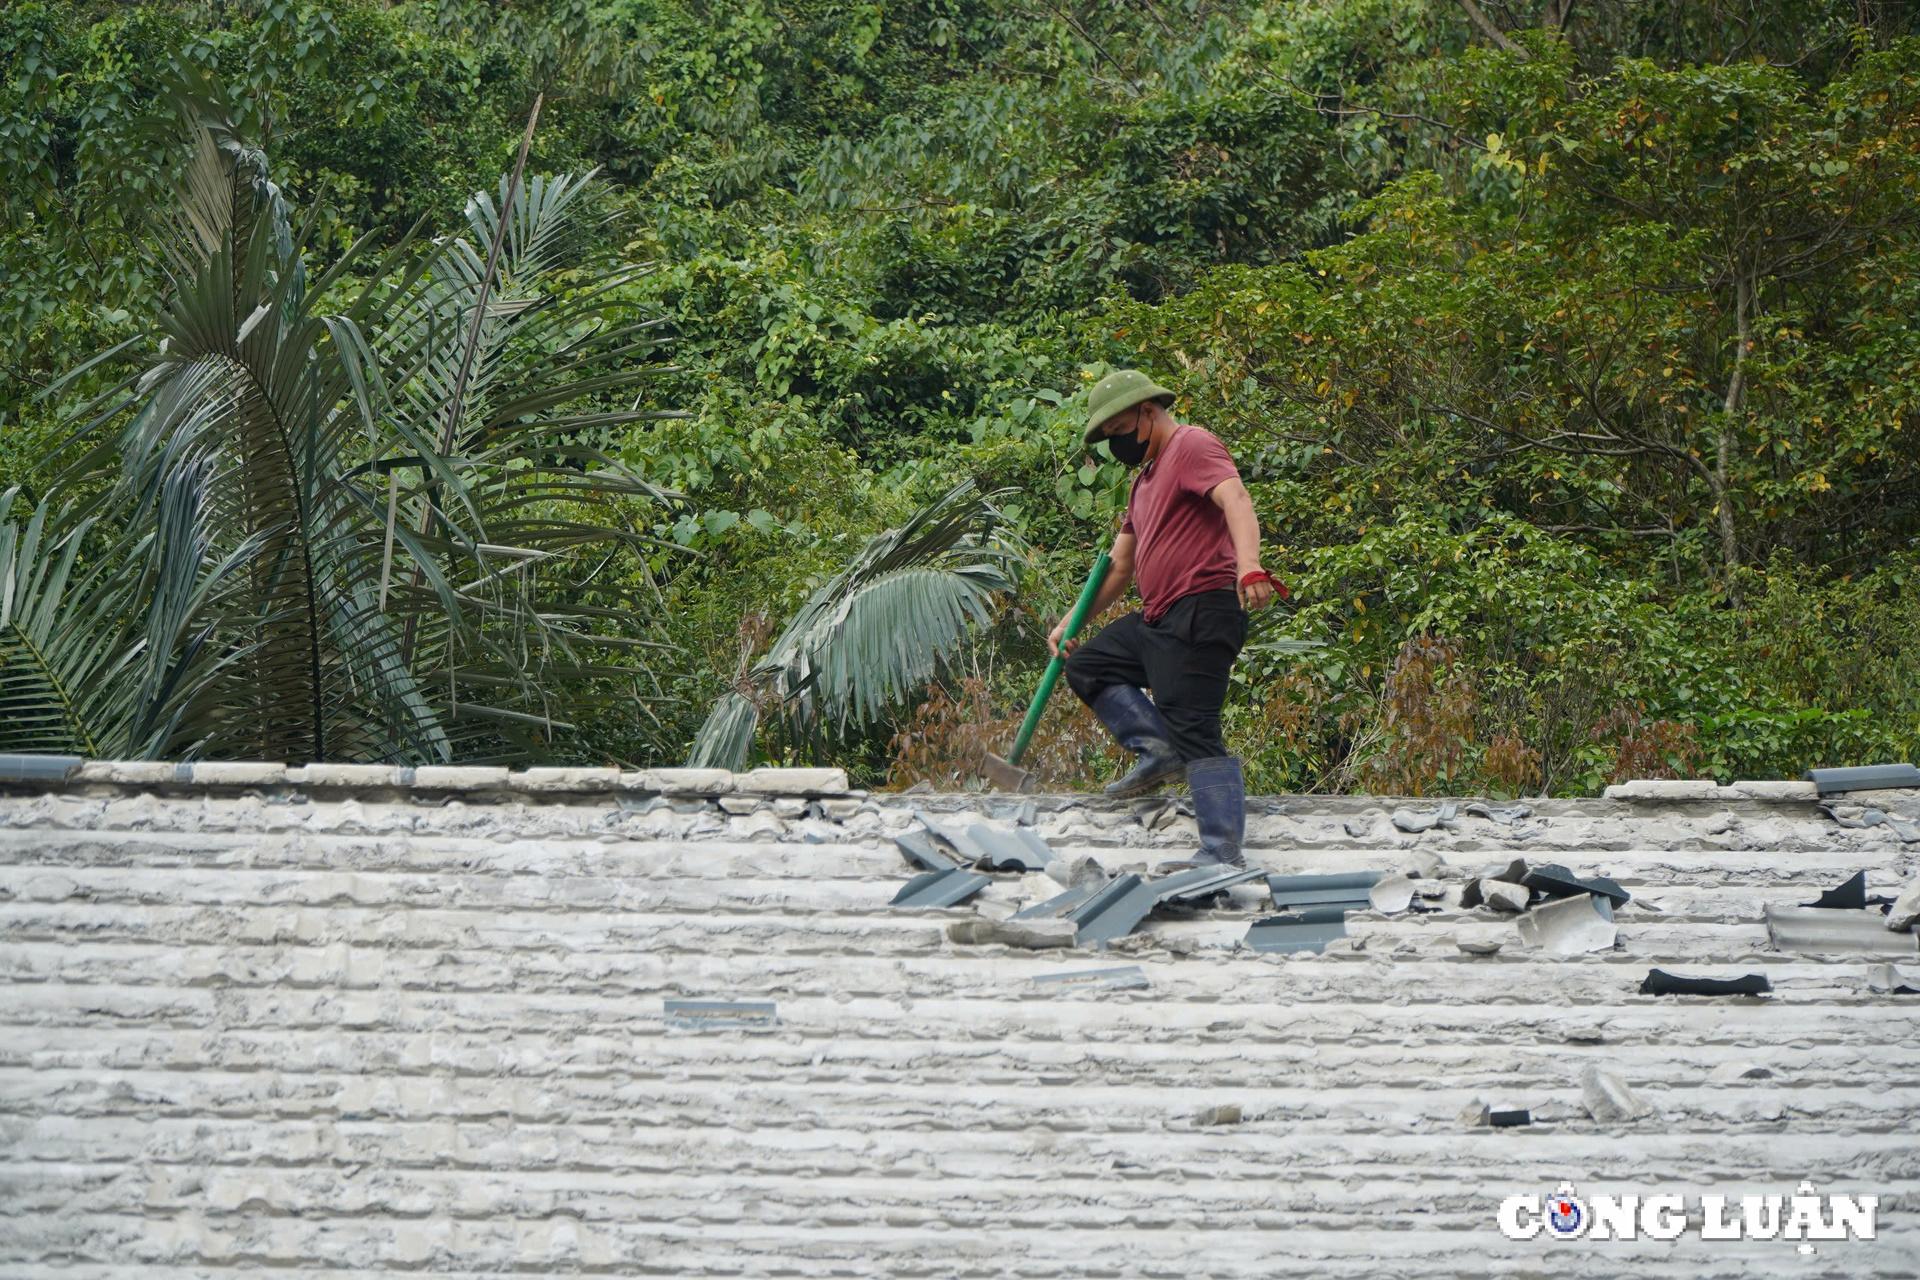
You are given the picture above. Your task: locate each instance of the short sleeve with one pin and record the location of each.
(1206, 462)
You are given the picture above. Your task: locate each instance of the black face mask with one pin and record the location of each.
(1129, 450)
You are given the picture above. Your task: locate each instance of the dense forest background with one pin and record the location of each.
(1566, 347)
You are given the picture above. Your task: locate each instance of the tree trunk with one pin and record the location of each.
(1736, 394)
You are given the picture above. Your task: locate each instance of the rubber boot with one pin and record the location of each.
(1136, 725)
(1219, 810)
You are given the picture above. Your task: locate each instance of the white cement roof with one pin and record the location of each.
(360, 1021)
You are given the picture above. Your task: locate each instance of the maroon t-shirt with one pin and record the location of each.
(1180, 542)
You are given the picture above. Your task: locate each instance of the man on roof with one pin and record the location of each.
(1191, 542)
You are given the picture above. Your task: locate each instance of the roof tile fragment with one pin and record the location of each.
(1306, 929)
(924, 852)
(1348, 888)
(1556, 881)
(38, 768)
(1894, 979)
(1849, 895)
(1904, 914)
(1505, 895)
(1826, 931)
(1659, 982)
(1570, 926)
(940, 888)
(1872, 777)
(1608, 1099)
(1009, 850)
(1413, 823)
(1113, 909)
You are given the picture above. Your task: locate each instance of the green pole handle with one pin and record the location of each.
(1075, 619)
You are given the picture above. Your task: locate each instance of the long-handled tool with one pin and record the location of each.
(1005, 772)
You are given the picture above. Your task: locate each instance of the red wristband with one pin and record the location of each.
(1252, 576)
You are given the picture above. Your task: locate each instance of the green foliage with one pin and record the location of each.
(400, 490)
(1566, 349)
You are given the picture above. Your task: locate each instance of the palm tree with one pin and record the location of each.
(393, 471)
(873, 634)
(107, 657)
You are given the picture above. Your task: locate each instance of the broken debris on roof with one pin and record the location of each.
(1501, 895)
(1114, 909)
(1907, 832)
(1849, 895)
(1570, 926)
(1826, 931)
(1659, 982)
(1348, 889)
(947, 888)
(1306, 929)
(1016, 850)
(1608, 1099)
(1060, 904)
(1391, 894)
(1894, 979)
(1556, 881)
(1509, 1119)
(1904, 912)
(923, 852)
(721, 1015)
(1413, 823)
(1518, 884)
(1872, 777)
(1197, 884)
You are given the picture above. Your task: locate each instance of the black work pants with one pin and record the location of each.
(1184, 659)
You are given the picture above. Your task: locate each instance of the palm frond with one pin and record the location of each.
(878, 630)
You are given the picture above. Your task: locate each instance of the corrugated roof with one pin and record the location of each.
(365, 1022)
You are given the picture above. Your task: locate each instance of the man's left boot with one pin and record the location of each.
(1137, 725)
(1219, 810)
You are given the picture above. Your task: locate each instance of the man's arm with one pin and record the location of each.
(1119, 581)
(1243, 527)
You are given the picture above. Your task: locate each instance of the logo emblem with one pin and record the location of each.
(1566, 1213)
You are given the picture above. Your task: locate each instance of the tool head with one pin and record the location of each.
(1005, 775)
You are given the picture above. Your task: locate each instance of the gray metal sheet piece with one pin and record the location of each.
(1307, 929)
(38, 768)
(921, 850)
(1197, 883)
(1871, 777)
(1009, 850)
(968, 852)
(940, 888)
(1349, 888)
(1114, 910)
(1058, 905)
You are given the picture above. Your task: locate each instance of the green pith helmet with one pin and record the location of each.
(1116, 393)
